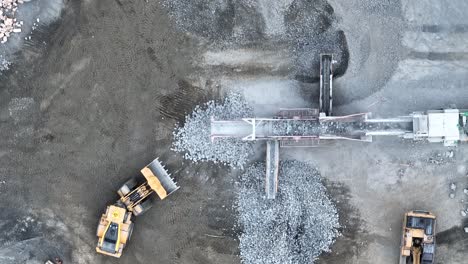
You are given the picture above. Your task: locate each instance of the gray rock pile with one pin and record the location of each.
(296, 227)
(193, 138)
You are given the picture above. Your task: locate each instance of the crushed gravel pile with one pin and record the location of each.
(193, 138)
(296, 227)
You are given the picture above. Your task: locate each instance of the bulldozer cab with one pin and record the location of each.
(110, 240)
(424, 225)
(114, 229)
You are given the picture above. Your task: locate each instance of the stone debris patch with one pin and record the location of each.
(8, 22)
(193, 138)
(20, 108)
(4, 64)
(296, 227)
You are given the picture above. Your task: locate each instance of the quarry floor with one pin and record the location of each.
(83, 113)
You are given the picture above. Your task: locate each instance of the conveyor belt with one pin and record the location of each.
(272, 168)
(326, 76)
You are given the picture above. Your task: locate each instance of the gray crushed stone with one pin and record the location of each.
(296, 227)
(193, 138)
(288, 127)
(311, 127)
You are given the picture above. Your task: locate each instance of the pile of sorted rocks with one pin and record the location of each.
(296, 227)
(193, 138)
(8, 22)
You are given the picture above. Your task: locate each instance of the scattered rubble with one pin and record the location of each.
(8, 22)
(22, 109)
(401, 172)
(193, 138)
(438, 158)
(453, 189)
(449, 154)
(4, 64)
(453, 186)
(296, 227)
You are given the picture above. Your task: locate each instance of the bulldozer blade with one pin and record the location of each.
(159, 179)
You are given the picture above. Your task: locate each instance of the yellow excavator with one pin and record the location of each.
(418, 240)
(115, 226)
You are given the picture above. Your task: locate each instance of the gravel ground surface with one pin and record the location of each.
(296, 227)
(193, 138)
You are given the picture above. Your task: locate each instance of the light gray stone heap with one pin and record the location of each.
(193, 138)
(296, 227)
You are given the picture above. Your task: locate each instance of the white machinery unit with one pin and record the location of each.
(439, 126)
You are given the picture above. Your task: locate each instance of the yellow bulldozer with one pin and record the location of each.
(418, 239)
(115, 226)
